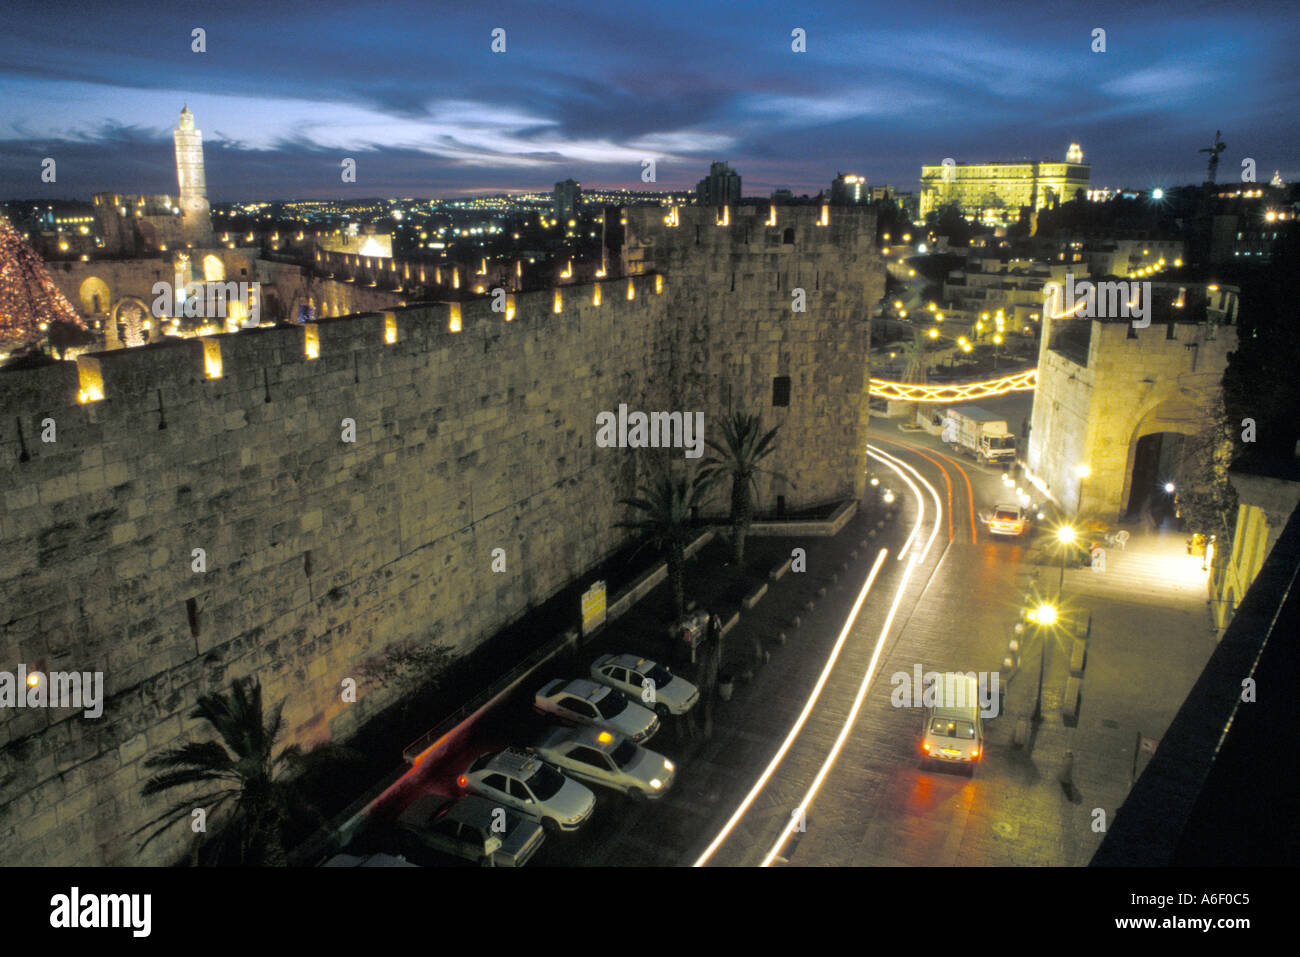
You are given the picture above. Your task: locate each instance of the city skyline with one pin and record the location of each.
(428, 110)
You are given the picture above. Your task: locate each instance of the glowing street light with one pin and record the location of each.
(1170, 488)
(1044, 616)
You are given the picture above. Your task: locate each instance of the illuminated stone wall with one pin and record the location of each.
(471, 433)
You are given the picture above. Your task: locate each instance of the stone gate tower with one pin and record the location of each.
(1116, 400)
(196, 216)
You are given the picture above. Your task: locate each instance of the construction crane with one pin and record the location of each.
(1217, 147)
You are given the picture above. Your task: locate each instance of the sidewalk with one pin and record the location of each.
(1151, 636)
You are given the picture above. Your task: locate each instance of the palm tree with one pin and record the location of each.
(666, 504)
(913, 357)
(743, 446)
(249, 786)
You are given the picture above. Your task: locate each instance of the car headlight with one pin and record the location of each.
(668, 765)
(656, 784)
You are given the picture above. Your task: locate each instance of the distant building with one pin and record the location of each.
(565, 199)
(1247, 219)
(133, 224)
(995, 193)
(880, 193)
(849, 190)
(196, 215)
(720, 188)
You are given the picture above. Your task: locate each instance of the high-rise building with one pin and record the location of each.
(849, 190)
(720, 188)
(196, 216)
(995, 193)
(565, 199)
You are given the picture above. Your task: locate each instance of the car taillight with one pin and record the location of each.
(463, 781)
(925, 748)
(974, 752)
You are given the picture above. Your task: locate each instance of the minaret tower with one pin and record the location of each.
(196, 216)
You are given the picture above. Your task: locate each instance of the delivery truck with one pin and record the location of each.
(980, 433)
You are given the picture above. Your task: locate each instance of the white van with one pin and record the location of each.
(953, 733)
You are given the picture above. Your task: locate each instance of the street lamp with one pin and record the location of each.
(1044, 617)
(1066, 536)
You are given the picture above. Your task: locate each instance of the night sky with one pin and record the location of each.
(414, 94)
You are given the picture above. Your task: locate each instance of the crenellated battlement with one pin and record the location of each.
(172, 367)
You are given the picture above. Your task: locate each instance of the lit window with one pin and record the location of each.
(212, 358)
(90, 379)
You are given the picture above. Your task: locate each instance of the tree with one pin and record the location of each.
(255, 790)
(666, 504)
(743, 446)
(913, 356)
(29, 299)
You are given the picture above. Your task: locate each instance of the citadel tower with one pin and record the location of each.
(196, 217)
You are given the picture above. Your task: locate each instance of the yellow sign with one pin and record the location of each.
(593, 608)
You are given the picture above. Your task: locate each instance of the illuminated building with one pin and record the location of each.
(996, 192)
(196, 217)
(849, 190)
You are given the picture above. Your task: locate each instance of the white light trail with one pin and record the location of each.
(802, 809)
(895, 464)
(799, 723)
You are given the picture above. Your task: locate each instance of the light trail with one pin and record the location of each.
(772, 766)
(920, 503)
(1023, 381)
(799, 722)
(797, 816)
(896, 463)
(970, 494)
(942, 471)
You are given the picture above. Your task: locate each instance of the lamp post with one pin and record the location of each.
(1043, 617)
(1065, 535)
(1083, 471)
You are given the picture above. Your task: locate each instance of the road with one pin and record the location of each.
(817, 766)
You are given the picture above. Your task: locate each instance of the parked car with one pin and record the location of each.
(471, 828)
(370, 860)
(586, 702)
(629, 674)
(527, 784)
(601, 757)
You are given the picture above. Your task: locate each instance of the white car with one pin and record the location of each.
(1008, 520)
(585, 702)
(536, 790)
(635, 676)
(601, 757)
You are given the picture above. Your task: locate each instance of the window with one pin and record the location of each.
(781, 391)
(616, 674)
(589, 756)
(578, 706)
(787, 237)
(518, 791)
(612, 705)
(497, 782)
(948, 728)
